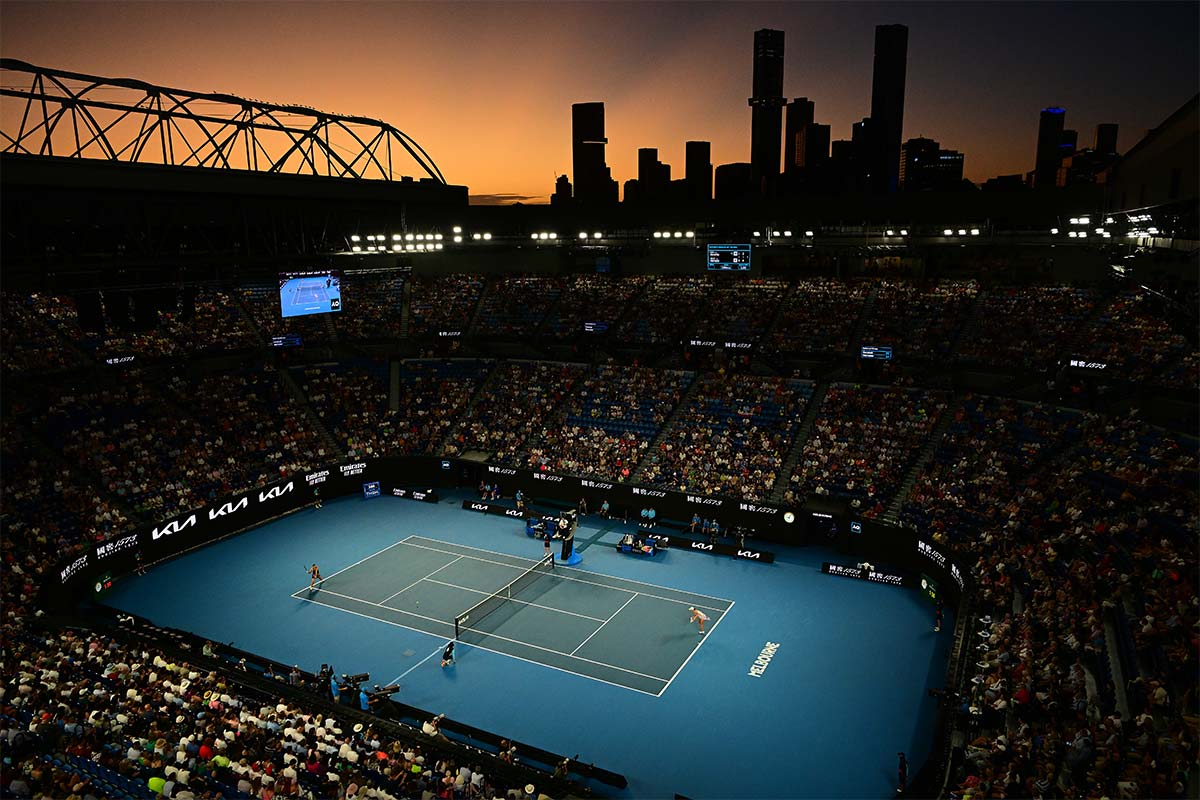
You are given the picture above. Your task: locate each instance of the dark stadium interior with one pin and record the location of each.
(983, 398)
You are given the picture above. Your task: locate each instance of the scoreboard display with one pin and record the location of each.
(729, 257)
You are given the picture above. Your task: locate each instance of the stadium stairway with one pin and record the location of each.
(892, 514)
(405, 309)
(967, 333)
(474, 322)
(684, 402)
(802, 433)
(293, 388)
(868, 308)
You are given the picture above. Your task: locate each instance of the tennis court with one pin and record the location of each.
(307, 290)
(617, 631)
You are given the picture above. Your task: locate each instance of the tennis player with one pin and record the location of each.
(448, 654)
(315, 573)
(698, 616)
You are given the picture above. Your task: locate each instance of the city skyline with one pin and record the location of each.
(441, 73)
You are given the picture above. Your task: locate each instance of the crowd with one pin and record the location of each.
(818, 316)
(863, 441)
(29, 337)
(442, 304)
(1027, 326)
(919, 320)
(666, 311)
(731, 438)
(608, 422)
(592, 298)
(372, 305)
(1134, 340)
(740, 309)
(515, 306)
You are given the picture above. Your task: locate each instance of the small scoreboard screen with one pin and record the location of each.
(871, 353)
(729, 257)
(302, 293)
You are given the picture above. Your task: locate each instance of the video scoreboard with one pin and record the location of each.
(729, 257)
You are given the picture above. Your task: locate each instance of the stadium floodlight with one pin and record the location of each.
(370, 248)
(658, 234)
(692, 234)
(355, 238)
(370, 237)
(457, 239)
(533, 236)
(583, 235)
(1153, 230)
(1107, 235)
(543, 236)
(396, 248)
(903, 232)
(487, 237)
(420, 246)
(1074, 220)
(356, 249)
(597, 235)
(947, 232)
(756, 233)
(891, 232)
(440, 245)
(678, 234)
(1072, 234)
(553, 235)
(476, 236)
(1108, 220)
(1054, 230)
(1085, 221)
(420, 237)
(438, 237)
(785, 233)
(809, 234)
(395, 237)
(1083, 234)
(409, 237)
(457, 229)
(410, 247)
(1099, 230)
(962, 232)
(974, 231)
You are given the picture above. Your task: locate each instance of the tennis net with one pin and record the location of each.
(475, 614)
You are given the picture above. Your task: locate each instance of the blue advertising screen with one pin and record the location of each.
(303, 293)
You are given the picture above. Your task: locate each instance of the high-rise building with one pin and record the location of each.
(1050, 136)
(653, 175)
(733, 181)
(766, 107)
(799, 115)
(698, 170)
(562, 192)
(1106, 138)
(915, 154)
(887, 106)
(813, 148)
(593, 180)
(1069, 142)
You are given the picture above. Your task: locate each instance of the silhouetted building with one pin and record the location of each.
(1106, 138)
(925, 167)
(632, 191)
(1050, 136)
(1069, 143)
(887, 106)
(766, 107)
(562, 192)
(813, 148)
(1162, 167)
(593, 180)
(733, 181)
(653, 175)
(841, 151)
(1005, 183)
(799, 116)
(698, 170)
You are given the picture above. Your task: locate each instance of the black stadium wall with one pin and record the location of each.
(414, 477)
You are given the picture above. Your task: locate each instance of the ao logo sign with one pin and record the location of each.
(174, 526)
(228, 508)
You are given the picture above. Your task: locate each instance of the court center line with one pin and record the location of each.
(482, 633)
(489, 650)
(590, 572)
(514, 600)
(689, 658)
(610, 619)
(418, 580)
(581, 580)
(361, 560)
(404, 674)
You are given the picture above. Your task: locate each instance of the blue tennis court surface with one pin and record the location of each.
(595, 626)
(599, 659)
(310, 295)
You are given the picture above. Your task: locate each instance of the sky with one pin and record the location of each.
(487, 88)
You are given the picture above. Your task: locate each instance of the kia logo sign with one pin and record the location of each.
(228, 508)
(512, 512)
(175, 526)
(478, 507)
(747, 554)
(275, 491)
(701, 546)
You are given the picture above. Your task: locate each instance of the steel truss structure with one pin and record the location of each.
(50, 112)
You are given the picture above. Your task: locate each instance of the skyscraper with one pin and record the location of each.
(766, 107)
(887, 106)
(925, 166)
(593, 181)
(562, 192)
(1050, 136)
(653, 175)
(1106, 138)
(799, 116)
(698, 170)
(813, 148)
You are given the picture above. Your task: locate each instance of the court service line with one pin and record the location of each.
(489, 650)
(404, 674)
(610, 619)
(588, 572)
(514, 600)
(578, 580)
(418, 580)
(361, 560)
(483, 633)
(689, 658)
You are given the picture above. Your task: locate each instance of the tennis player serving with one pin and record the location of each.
(699, 617)
(315, 573)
